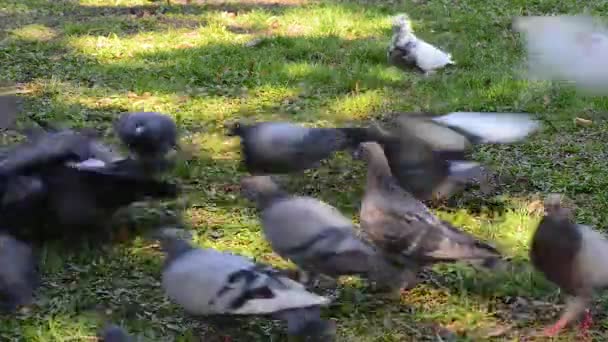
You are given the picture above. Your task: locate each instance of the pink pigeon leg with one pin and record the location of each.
(555, 328)
(586, 324)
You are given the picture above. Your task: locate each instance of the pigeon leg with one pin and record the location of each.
(574, 307)
(586, 324)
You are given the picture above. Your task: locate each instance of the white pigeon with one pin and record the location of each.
(407, 51)
(567, 48)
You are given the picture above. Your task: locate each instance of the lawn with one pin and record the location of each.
(81, 63)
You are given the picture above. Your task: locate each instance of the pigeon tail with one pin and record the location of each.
(490, 128)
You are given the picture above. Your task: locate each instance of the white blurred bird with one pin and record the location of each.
(406, 51)
(567, 48)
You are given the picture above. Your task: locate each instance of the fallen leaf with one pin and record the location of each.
(583, 122)
(254, 42)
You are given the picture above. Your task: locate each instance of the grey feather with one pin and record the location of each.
(18, 273)
(281, 147)
(149, 135)
(209, 282)
(316, 236)
(400, 224)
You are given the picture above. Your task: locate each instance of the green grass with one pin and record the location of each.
(323, 64)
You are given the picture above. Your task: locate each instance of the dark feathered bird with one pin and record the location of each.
(317, 237)
(427, 154)
(207, 282)
(573, 256)
(72, 184)
(282, 147)
(18, 273)
(149, 135)
(400, 224)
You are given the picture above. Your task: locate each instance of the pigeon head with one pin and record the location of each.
(147, 134)
(261, 189)
(234, 129)
(173, 241)
(554, 207)
(366, 150)
(402, 24)
(113, 333)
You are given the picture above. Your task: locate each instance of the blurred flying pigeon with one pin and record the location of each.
(317, 237)
(149, 135)
(572, 48)
(114, 333)
(206, 282)
(283, 147)
(406, 51)
(427, 155)
(400, 224)
(572, 256)
(18, 274)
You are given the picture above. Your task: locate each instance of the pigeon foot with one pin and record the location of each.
(585, 325)
(555, 329)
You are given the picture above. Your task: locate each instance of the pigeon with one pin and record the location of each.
(114, 333)
(317, 237)
(207, 282)
(149, 135)
(402, 225)
(572, 256)
(406, 51)
(72, 183)
(571, 48)
(18, 273)
(283, 147)
(427, 154)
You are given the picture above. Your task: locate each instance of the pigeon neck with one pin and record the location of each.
(175, 248)
(378, 170)
(267, 198)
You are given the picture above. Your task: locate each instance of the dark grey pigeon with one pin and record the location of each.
(317, 237)
(72, 183)
(283, 147)
(402, 225)
(149, 135)
(206, 282)
(572, 256)
(428, 154)
(114, 333)
(18, 274)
